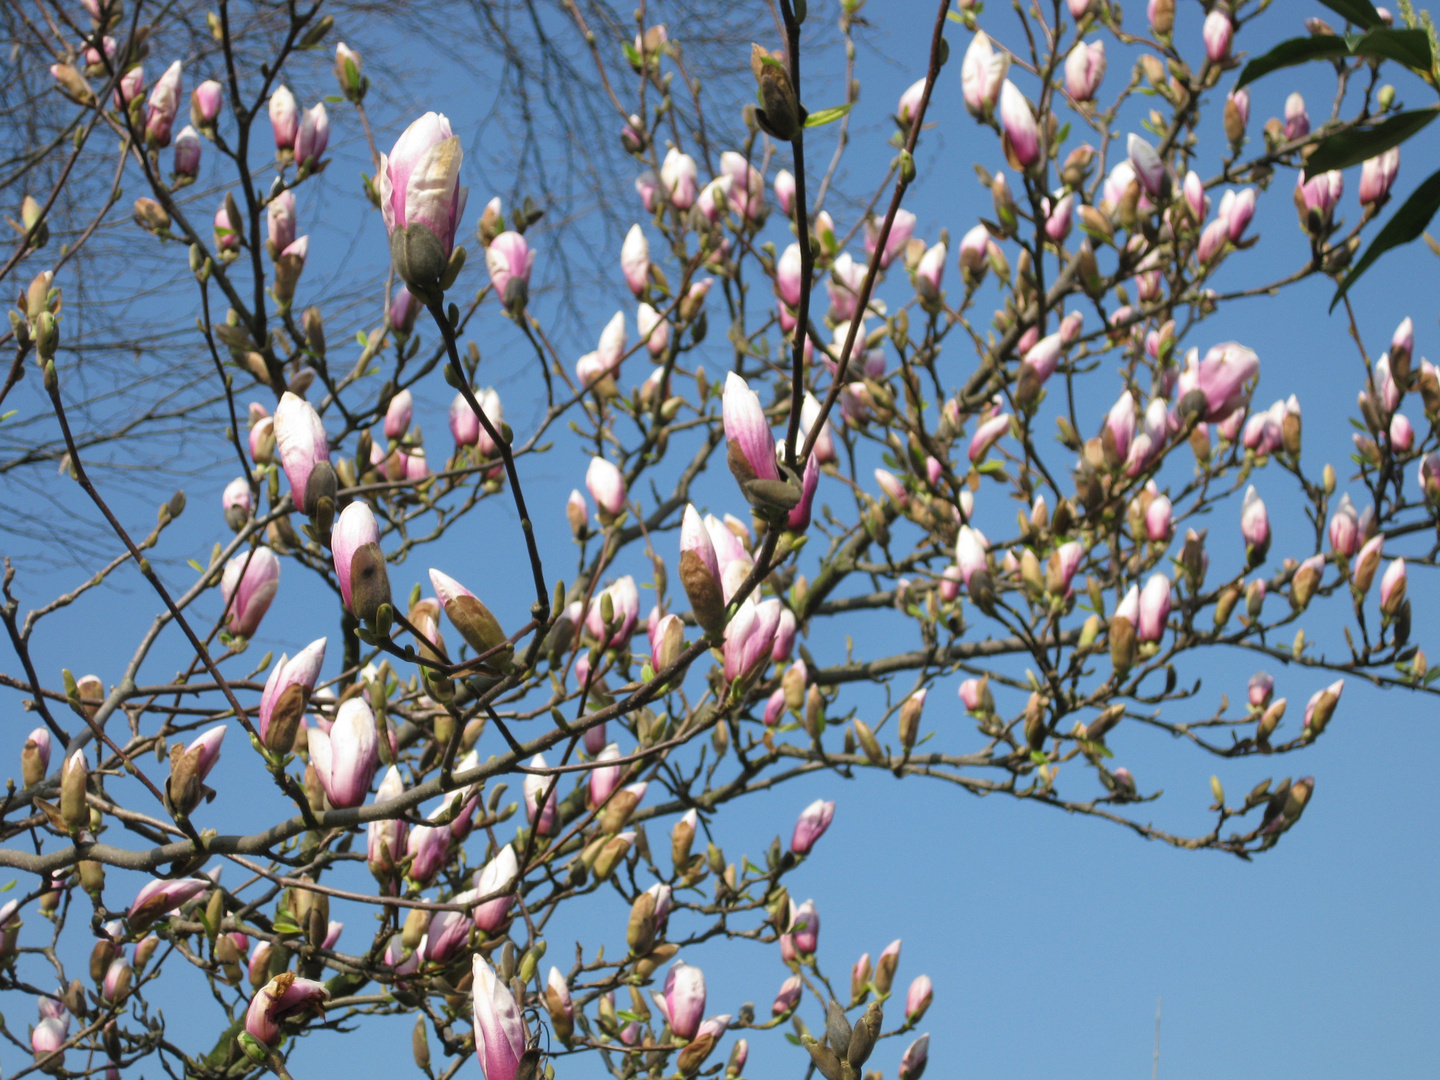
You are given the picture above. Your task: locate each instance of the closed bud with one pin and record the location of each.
(1269, 721)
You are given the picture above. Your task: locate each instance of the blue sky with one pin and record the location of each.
(1049, 939)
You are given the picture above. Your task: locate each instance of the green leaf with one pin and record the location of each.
(1346, 148)
(7, 886)
(1405, 225)
(1408, 47)
(826, 116)
(1293, 52)
(1359, 12)
(196, 566)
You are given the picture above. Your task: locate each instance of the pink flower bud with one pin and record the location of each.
(635, 260)
(987, 434)
(975, 695)
(464, 424)
(205, 103)
(354, 528)
(1021, 132)
(844, 284)
(1261, 687)
(398, 414)
(788, 282)
(606, 486)
(130, 87)
(1154, 609)
(159, 898)
(982, 74)
(1149, 168)
(1402, 342)
(747, 431)
(48, 1037)
(901, 230)
(605, 779)
(788, 997)
(746, 194)
(813, 822)
(785, 191)
(1255, 524)
(385, 839)
(302, 672)
(346, 757)
(930, 272)
(1085, 70)
(750, 638)
(784, 643)
(1376, 176)
(1218, 33)
(284, 118)
(825, 442)
(313, 136)
(909, 105)
(1220, 378)
(1297, 121)
(1344, 528)
(283, 997)
(1402, 435)
(804, 932)
(1236, 210)
(187, 152)
(536, 785)
(280, 221)
(970, 547)
(1157, 519)
(918, 999)
(678, 175)
(499, 875)
(248, 586)
(227, 238)
(163, 106)
(300, 438)
(917, 1054)
(419, 188)
(1392, 588)
(683, 1002)
(509, 260)
(1317, 199)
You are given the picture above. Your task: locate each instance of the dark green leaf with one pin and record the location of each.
(1359, 12)
(1293, 52)
(1405, 225)
(826, 116)
(1408, 47)
(1346, 148)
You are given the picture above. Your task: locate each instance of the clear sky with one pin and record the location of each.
(1049, 938)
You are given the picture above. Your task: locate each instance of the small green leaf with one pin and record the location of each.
(7, 886)
(1346, 148)
(1359, 12)
(826, 116)
(196, 566)
(1405, 225)
(1293, 52)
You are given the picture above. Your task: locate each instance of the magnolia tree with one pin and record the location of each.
(976, 469)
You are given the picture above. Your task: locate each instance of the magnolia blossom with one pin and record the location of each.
(813, 822)
(902, 228)
(1085, 70)
(679, 177)
(982, 73)
(683, 1002)
(509, 261)
(248, 585)
(1017, 120)
(419, 184)
(346, 757)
